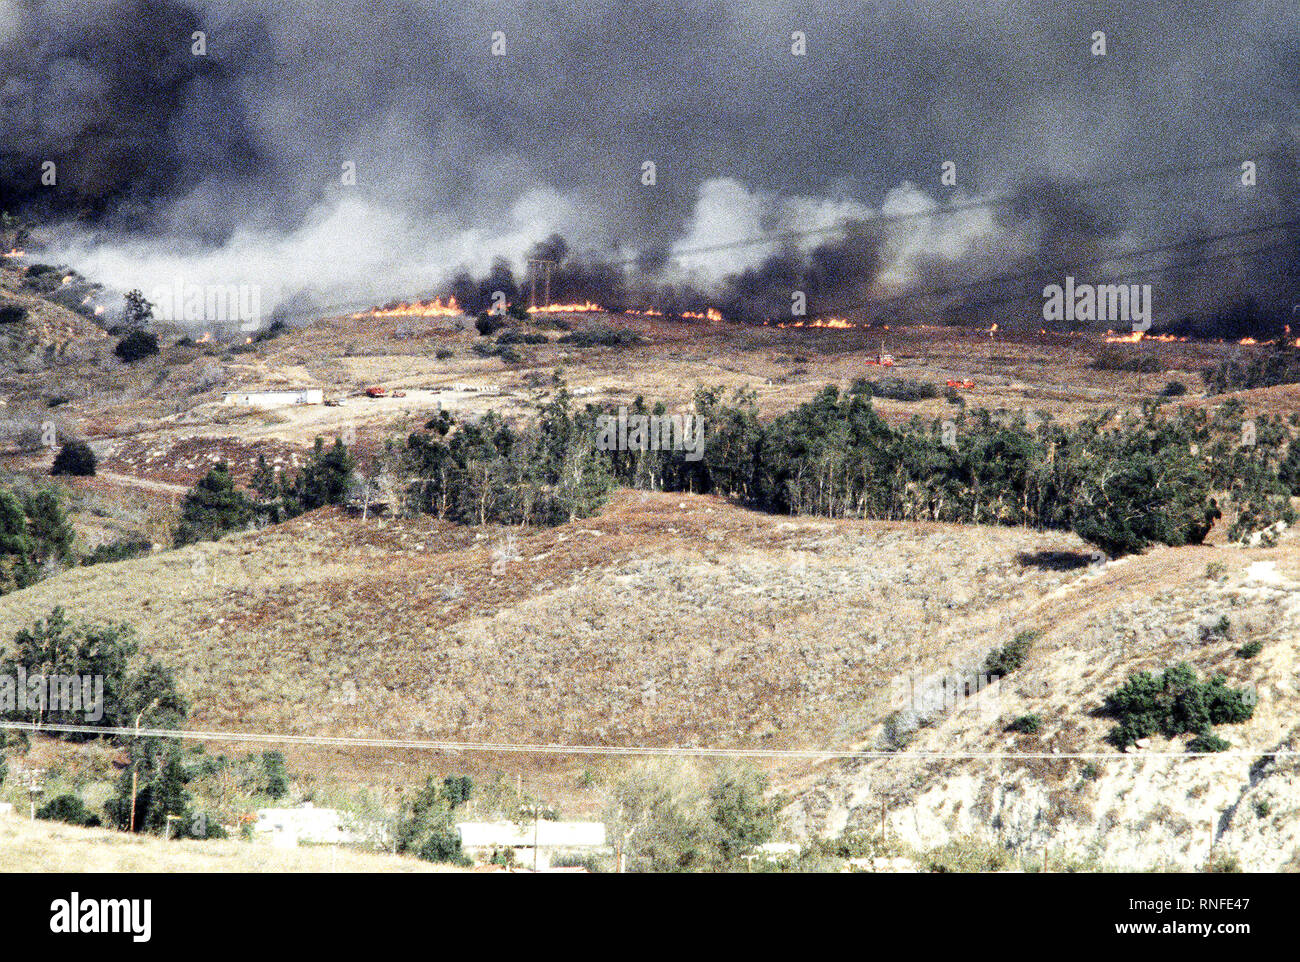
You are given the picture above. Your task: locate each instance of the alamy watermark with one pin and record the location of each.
(1122, 303)
(209, 303)
(651, 432)
(23, 694)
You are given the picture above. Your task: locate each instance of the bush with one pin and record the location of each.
(487, 324)
(136, 346)
(213, 507)
(896, 389)
(1174, 703)
(275, 775)
(426, 827)
(70, 809)
(443, 353)
(1250, 650)
(122, 549)
(1207, 741)
(1174, 389)
(12, 314)
(1003, 661)
(75, 458)
(1030, 724)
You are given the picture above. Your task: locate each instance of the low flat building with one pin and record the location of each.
(274, 398)
(481, 839)
(287, 827)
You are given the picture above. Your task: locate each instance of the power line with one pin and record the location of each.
(949, 290)
(997, 200)
(509, 748)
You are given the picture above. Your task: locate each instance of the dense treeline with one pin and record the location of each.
(1122, 482)
(475, 473)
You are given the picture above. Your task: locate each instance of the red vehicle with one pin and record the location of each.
(376, 392)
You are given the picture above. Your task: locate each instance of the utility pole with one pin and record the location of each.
(135, 761)
(533, 266)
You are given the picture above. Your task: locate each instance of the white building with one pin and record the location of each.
(286, 827)
(481, 839)
(274, 398)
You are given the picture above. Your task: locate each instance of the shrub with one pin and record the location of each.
(213, 508)
(12, 314)
(896, 389)
(70, 809)
(1262, 808)
(122, 549)
(487, 324)
(1173, 703)
(136, 346)
(275, 776)
(1250, 650)
(443, 353)
(75, 458)
(1207, 741)
(1218, 630)
(1003, 661)
(426, 827)
(1030, 724)
(1174, 389)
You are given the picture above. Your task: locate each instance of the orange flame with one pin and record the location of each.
(433, 308)
(15, 252)
(820, 322)
(585, 307)
(708, 315)
(1248, 340)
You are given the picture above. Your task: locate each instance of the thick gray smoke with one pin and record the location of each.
(229, 167)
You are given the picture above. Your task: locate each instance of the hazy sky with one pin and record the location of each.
(222, 162)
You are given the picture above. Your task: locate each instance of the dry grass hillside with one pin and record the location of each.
(686, 621)
(27, 846)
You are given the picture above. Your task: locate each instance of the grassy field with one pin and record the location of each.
(27, 846)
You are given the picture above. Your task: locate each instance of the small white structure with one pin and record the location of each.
(480, 839)
(286, 827)
(274, 399)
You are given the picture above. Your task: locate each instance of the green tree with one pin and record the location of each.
(158, 789)
(326, 478)
(56, 645)
(48, 526)
(426, 827)
(741, 817)
(213, 507)
(75, 458)
(138, 310)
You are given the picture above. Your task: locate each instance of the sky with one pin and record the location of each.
(229, 165)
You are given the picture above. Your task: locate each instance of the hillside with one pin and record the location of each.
(611, 630)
